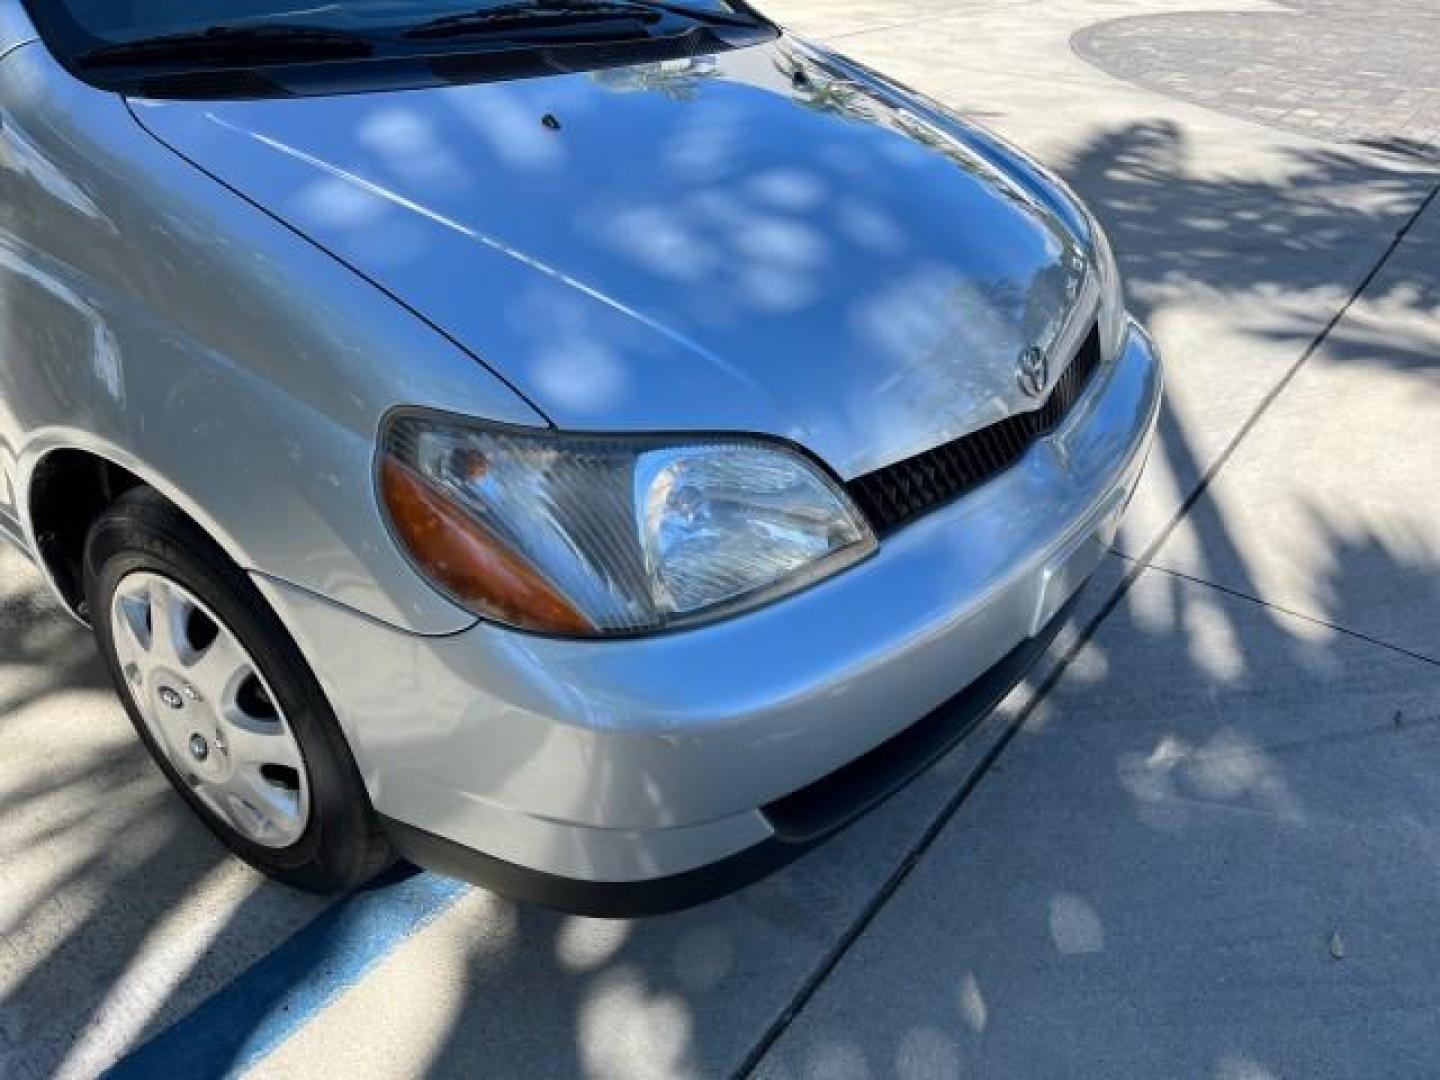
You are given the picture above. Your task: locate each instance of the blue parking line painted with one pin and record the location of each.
(270, 1001)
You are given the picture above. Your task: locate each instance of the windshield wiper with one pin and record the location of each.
(542, 15)
(226, 44)
(547, 14)
(702, 15)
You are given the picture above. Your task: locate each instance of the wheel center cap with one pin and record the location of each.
(199, 748)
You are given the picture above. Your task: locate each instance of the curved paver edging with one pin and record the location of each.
(1340, 70)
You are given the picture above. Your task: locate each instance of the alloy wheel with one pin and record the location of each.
(208, 708)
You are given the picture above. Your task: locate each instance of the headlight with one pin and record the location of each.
(600, 535)
(1112, 294)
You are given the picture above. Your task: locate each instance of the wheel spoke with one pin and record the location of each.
(132, 621)
(255, 744)
(168, 614)
(261, 810)
(134, 660)
(213, 797)
(218, 670)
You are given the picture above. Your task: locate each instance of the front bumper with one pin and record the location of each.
(577, 772)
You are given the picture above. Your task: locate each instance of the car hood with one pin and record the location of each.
(762, 240)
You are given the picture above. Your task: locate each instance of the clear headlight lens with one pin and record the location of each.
(600, 535)
(1113, 317)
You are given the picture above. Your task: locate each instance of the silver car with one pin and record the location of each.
(598, 448)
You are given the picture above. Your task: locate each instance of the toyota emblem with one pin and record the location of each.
(1033, 371)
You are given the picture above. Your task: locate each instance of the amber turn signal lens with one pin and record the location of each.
(464, 558)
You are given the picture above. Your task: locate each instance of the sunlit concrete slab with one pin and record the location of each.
(1240, 243)
(118, 912)
(492, 988)
(1330, 507)
(1239, 240)
(850, 18)
(1211, 853)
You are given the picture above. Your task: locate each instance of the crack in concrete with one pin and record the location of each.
(932, 833)
(1283, 610)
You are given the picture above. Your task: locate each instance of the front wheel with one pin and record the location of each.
(223, 700)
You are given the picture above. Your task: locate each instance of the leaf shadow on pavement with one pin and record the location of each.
(1153, 878)
(109, 889)
(1193, 727)
(690, 994)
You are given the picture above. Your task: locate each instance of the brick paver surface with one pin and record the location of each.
(1335, 69)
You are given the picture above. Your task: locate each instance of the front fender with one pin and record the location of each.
(159, 320)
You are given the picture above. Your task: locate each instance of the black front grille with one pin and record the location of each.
(898, 494)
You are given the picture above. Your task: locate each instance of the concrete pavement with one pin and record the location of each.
(118, 913)
(1212, 852)
(1231, 773)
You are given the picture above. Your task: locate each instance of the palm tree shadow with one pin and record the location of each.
(109, 880)
(1183, 231)
(690, 993)
(1178, 235)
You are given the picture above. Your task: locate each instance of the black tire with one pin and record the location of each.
(342, 845)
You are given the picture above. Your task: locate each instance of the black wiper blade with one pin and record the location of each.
(702, 15)
(267, 42)
(532, 16)
(546, 14)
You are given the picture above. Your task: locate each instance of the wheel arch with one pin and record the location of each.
(65, 485)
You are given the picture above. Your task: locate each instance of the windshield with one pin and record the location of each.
(91, 23)
(229, 48)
